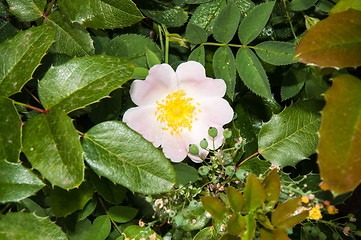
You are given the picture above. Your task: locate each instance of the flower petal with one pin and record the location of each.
(215, 111)
(175, 147)
(160, 81)
(192, 79)
(143, 121)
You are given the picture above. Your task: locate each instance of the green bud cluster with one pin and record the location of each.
(213, 132)
(193, 149)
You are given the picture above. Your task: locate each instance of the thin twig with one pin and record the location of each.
(45, 15)
(106, 211)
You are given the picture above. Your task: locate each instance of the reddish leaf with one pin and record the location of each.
(271, 184)
(287, 214)
(339, 149)
(254, 193)
(236, 224)
(333, 42)
(214, 206)
(235, 199)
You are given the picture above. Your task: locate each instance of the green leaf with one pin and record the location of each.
(10, 131)
(236, 224)
(21, 55)
(244, 6)
(334, 42)
(51, 144)
(140, 73)
(122, 214)
(276, 234)
(255, 165)
(225, 26)
(291, 135)
(301, 5)
(214, 206)
(224, 68)
(134, 47)
(252, 73)
(59, 199)
(294, 80)
(88, 209)
(79, 231)
(198, 55)
(152, 58)
(100, 229)
(83, 81)
(113, 193)
(254, 193)
(195, 218)
(171, 17)
(235, 199)
(138, 233)
(27, 11)
(276, 53)
(250, 227)
(17, 182)
(185, 174)
(206, 13)
(21, 225)
(252, 25)
(287, 215)
(195, 34)
(101, 13)
(207, 233)
(271, 184)
(33, 207)
(340, 135)
(115, 151)
(70, 38)
(344, 5)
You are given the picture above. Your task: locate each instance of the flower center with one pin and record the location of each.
(176, 111)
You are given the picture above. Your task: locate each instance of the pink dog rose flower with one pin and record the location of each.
(176, 109)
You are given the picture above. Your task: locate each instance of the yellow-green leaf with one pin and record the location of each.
(344, 5)
(340, 135)
(287, 214)
(235, 199)
(271, 184)
(254, 193)
(214, 206)
(333, 42)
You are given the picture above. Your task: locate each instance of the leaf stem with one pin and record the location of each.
(43, 111)
(45, 15)
(223, 44)
(166, 34)
(290, 21)
(107, 213)
(254, 154)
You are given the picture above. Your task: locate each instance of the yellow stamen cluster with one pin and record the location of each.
(315, 213)
(177, 112)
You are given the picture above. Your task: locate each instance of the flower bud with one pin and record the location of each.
(172, 214)
(178, 220)
(193, 149)
(193, 204)
(241, 174)
(238, 145)
(204, 144)
(229, 170)
(227, 133)
(213, 132)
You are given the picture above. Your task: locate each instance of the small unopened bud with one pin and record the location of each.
(229, 170)
(193, 149)
(213, 132)
(227, 133)
(204, 144)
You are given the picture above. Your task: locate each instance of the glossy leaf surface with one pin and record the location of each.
(27, 11)
(271, 184)
(276, 53)
(333, 42)
(185, 174)
(83, 81)
(10, 131)
(276, 234)
(70, 38)
(51, 144)
(291, 135)
(115, 151)
(21, 225)
(100, 229)
(17, 182)
(101, 13)
(339, 159)
(254, 193)
(252, 73)
(122, 214)
(301, 5)
(214, 206)
(224, 68)
(236, 224)
(27, 48)
(344, 5)
(251, 26)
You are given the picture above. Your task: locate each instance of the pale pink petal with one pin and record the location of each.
(192, 79)
(143, 121)
(215, 111)
(175, 148)
(160, 81)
